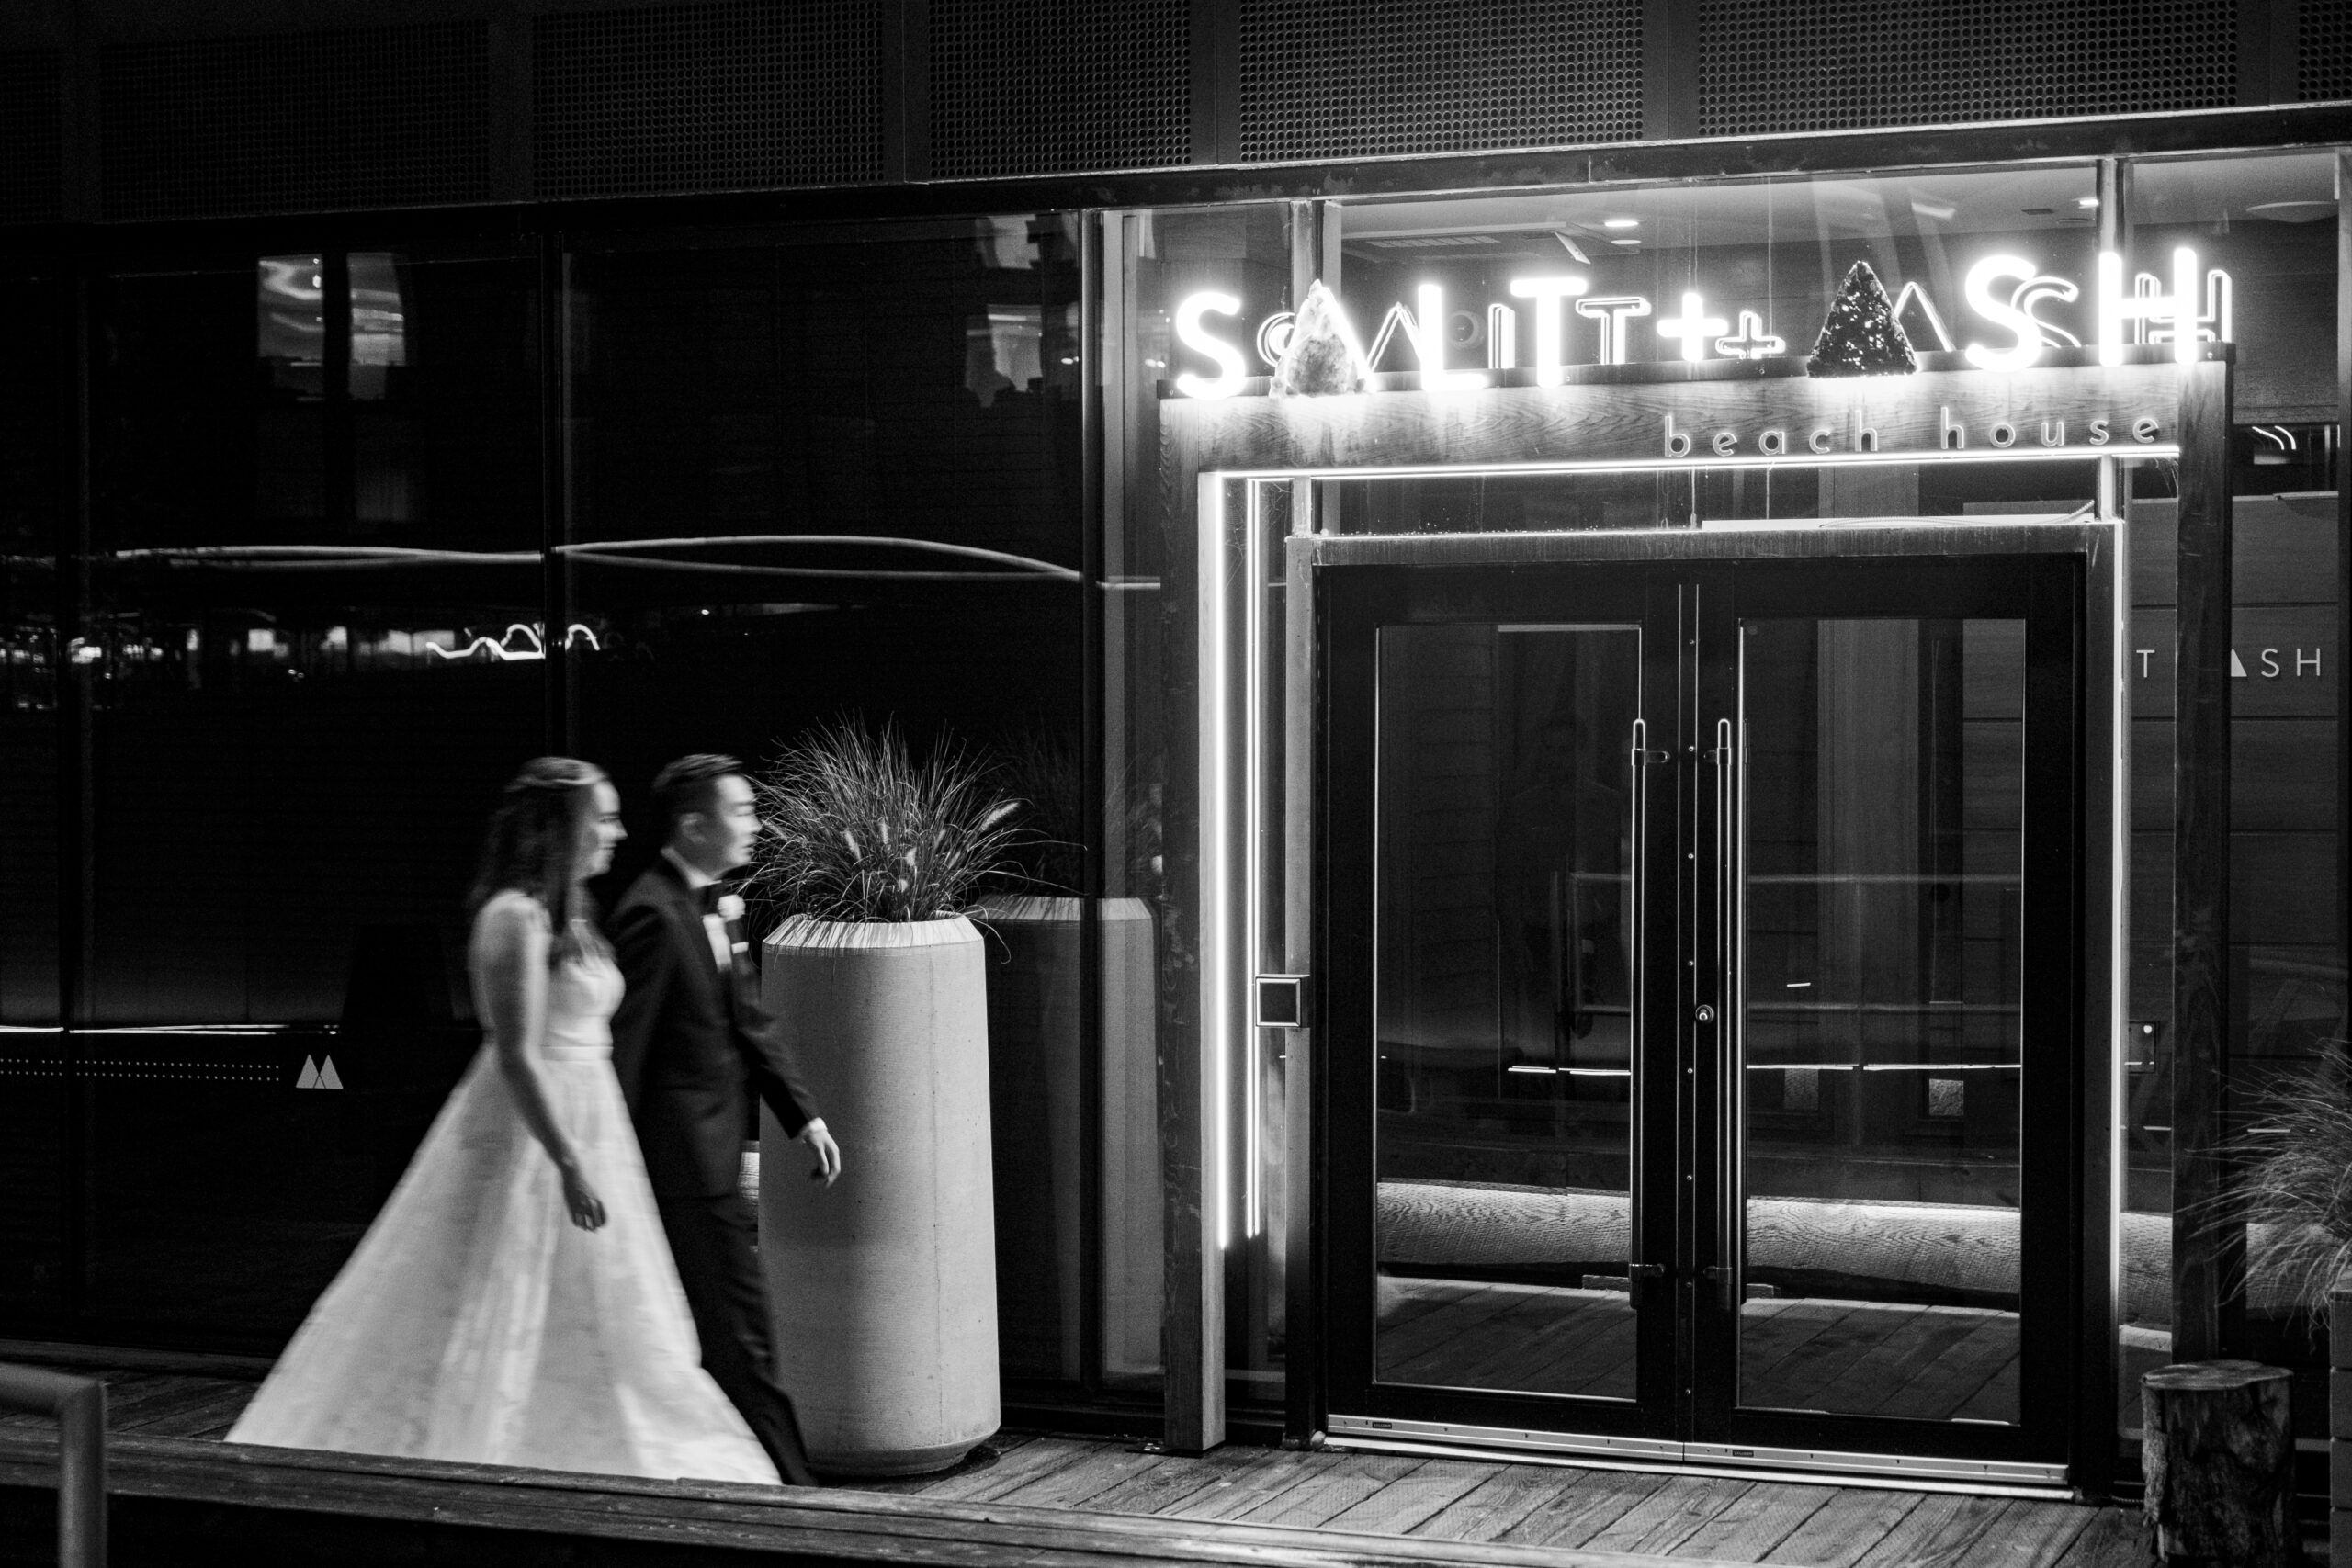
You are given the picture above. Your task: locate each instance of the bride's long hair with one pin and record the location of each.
(536, 840)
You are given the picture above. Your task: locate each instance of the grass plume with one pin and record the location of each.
(2293, 1186)
(861, 832)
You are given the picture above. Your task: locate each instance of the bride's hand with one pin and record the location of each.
(587, 1209)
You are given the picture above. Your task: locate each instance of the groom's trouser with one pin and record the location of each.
(713, 1241)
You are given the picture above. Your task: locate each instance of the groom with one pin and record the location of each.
(691, 1044)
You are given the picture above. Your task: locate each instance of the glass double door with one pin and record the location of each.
(1700, 953)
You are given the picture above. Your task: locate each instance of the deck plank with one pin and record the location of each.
(2115, 1538)
(1659, 1522)
(1333, 1491)
(1088, 1474)
(1946, 1529)
(1170, 1481)
(1594, 1501)
(1010, 1470)
(1250, 1487)
(1403, 1503)
(1509, 1494)
(1850, 1523)
(1755, 1523)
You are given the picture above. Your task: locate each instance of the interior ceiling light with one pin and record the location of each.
(1625, 242)
(2292, 211)
(1621, 222)
(1433, 242)
(2086, 201)
(1936, 211)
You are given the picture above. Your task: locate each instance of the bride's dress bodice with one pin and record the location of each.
(582, 995)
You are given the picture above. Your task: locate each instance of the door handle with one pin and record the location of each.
(1637, 1275)
(1730, 1071)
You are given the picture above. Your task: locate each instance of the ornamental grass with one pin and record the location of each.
(860, 830)
(2292, 1182)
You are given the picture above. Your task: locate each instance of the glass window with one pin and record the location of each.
(313, 654)
(826, 478)
(1154, 262)
(2264, 234)
(35, 1105)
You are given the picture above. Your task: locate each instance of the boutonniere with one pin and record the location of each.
(730, 906)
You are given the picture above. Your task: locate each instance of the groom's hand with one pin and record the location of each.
(829, 1152)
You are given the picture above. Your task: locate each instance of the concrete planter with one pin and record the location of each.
(884, 1288)
(1036, 1033)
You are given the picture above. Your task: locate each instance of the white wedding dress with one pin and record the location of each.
(476, 1322)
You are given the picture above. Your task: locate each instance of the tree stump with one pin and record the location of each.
(2219, 1460)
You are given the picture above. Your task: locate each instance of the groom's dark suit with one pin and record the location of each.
(691, 1043)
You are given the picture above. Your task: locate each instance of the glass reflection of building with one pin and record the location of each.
(315, 524)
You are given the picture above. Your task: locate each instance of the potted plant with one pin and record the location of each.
(1036, 1038)
(884, 1288)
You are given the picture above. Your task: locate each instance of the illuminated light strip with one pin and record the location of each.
(1217, 916)
(2119, 912)
(1252, 940)
(2155, 449)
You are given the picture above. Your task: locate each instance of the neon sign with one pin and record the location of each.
(2004, 290)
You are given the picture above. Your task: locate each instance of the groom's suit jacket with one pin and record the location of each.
(691, 1044)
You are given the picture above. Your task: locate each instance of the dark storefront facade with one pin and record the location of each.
(1604, 892)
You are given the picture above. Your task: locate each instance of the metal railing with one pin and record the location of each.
(80, 1405)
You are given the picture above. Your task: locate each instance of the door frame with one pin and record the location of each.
(2086, 1206)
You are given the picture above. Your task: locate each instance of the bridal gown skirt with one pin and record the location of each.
(477, 1323)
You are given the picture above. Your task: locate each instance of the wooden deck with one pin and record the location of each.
(1064, 1498)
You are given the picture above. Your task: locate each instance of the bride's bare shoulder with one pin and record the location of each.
(509, 918)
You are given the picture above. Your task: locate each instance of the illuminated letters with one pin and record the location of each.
(1612, 311)
(1693, 327)
(1550, 328)
(1751, 342)
(1223, 354)
(2179, 309)
(2002, 314)
(1678, 443)
(1502, 337)
(1426, 334)
(1273, 337)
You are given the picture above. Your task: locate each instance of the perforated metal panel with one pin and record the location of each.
(1342, 78)
(1052, 87)
(380, 117)
(32, 175)
(1778, 65)
(745, 94)
(2324, 67)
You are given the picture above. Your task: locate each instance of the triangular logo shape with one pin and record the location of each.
(2237, 670)
(1914, 302)
(328, 1077)
(310, 1078)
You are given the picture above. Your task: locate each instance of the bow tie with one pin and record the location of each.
(708, 896)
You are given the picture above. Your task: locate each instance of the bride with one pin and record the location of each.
(515, 1301)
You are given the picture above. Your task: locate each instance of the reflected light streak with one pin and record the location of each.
(618, 552)
(502, 651)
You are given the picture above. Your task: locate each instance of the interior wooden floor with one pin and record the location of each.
(1460, 1509)
(1923, 1363)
